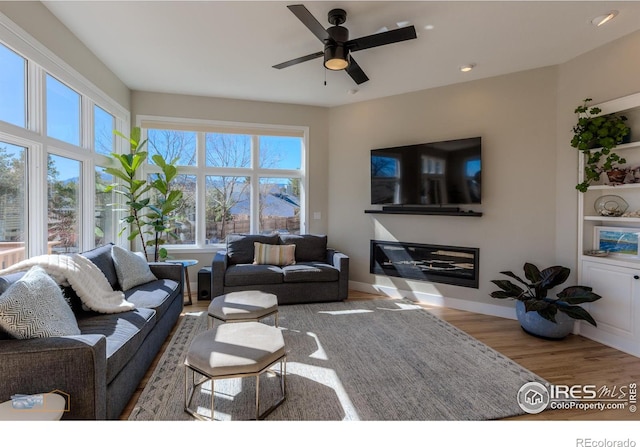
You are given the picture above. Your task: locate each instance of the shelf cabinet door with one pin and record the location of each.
(618, 310)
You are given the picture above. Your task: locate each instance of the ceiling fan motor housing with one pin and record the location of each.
(334, 47)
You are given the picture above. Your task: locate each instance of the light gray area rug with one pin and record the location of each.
(355, 360)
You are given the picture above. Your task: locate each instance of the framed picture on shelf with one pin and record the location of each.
(617, 240)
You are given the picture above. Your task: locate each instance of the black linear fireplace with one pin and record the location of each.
(434, 263)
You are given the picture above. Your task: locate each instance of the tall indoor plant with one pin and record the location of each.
(534, 301)
(595, 135)
(149, 204)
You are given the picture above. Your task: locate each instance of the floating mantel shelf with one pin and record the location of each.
(427, 212)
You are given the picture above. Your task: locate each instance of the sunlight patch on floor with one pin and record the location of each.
(402, 306)
(328, 378)
(320, 353)
(345, 312)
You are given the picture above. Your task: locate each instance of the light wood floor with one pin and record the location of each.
(572, 361)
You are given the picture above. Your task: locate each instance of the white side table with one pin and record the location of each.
(50, 407)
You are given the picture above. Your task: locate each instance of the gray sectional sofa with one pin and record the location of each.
(319, 273)
(100, 369)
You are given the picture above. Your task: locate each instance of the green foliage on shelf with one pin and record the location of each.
(596, 135)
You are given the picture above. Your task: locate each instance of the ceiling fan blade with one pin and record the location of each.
(376, 40)
(356, 73)
(298, 60)
(303, 14)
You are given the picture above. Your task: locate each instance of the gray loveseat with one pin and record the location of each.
(319, 274)
(100, 369)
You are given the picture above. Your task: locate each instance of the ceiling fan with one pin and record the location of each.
(337, 46)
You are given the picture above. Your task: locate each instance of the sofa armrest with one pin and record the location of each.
(167, 270)
(218, 269)
(74, 365)
(341, 262)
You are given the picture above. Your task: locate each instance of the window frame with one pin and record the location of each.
(255, 173)
(40, 63)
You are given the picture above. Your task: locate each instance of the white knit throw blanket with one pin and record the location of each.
(86, 279)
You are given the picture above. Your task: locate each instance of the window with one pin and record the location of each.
(12, 204)
(13, 91)
(182, 221)
(228, 150)
(280, 152)
(103, 137)
(227, 205)
(172, 144)
(63, 179)
(279, 205)
(63, 112)
(252, 178)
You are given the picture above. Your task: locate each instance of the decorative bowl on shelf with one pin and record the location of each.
(610, 206)
(598, 253)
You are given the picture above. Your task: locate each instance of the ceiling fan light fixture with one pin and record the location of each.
(335, 57)
(604, 18)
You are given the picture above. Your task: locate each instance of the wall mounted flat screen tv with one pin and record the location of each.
(445, 173)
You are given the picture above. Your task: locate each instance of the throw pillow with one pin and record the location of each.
(309, 247)
(274, 254)
(132, 269)
(33, 307)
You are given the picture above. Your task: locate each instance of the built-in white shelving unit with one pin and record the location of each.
(615, 277)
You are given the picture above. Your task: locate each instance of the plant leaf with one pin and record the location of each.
(578, 313)
(578, 295)
(508, 287)
(531, 272)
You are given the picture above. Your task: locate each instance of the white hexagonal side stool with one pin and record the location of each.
(246, 305)
(229, 351)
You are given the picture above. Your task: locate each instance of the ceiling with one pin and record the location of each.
(227, 48)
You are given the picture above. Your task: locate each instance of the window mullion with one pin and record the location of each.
(37, 200)
(35, 94)
(255, 184)
(201, 210)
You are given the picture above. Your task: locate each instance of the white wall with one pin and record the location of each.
(516, 117)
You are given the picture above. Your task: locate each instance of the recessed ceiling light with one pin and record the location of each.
(429, 27)
(466, 68)
(604, 18)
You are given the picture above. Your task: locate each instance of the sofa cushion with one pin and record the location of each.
(252, 274)
(240, 249)
(309, 247)
(310, 272)
(33, 307)
(274, 254)
(131, 268)
(124, 332)
(157, 295)
(101, 257)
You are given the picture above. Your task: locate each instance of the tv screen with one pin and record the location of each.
(437, 174)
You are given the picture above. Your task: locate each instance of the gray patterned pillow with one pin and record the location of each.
(33, 307)
(131, 268)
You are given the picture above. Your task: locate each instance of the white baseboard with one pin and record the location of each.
(436, 300)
